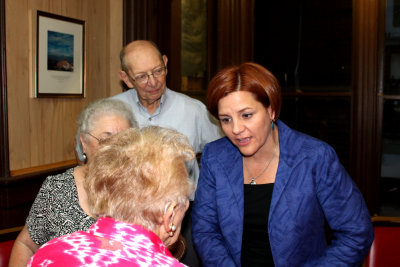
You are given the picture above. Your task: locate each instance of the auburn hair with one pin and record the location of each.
(250, 77)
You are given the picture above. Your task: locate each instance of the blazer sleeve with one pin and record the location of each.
(207, 236)
(345, 211)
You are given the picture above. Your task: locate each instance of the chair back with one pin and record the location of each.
(5, 252)
(385, 250)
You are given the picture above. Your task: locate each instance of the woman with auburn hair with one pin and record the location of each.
(138, 188)
(265, 191)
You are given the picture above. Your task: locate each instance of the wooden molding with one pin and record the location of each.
(385, 219)
(4, 156)
(42, 170)
(11, 230)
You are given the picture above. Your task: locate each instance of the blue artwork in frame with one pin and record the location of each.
(60, 56)
(60, 51)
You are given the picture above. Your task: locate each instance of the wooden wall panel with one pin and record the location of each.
(235, 32)
(114, 38)
(364, 140)
(41, 131)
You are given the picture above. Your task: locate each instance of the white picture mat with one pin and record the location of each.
(59, 82)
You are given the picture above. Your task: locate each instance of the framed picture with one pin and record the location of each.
(60, 56)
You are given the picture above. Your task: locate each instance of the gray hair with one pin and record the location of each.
(97, 109)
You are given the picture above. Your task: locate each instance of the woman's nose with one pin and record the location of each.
(237, 127)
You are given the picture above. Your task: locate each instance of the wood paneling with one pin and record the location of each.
(114, 42)
(364, 167)
(235, 25)
(38, 141)
(41, 131)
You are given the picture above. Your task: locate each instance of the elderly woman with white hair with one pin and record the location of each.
(61, 206)
(138, 186)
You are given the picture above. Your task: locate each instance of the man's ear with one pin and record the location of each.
(165, 60)
(124, 76)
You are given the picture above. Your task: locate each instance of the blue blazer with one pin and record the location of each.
(311, 186)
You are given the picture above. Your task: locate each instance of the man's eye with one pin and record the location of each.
(140, 77)
(158, 71)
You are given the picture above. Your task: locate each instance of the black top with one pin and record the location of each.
(256, 250)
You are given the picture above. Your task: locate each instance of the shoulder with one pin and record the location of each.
(219, 144)
(66, 177)
(298, 144)
(55, 250)
(121, 95)
(54, 184)
(219, 148)
(125, 96)
(62, 184)
(185, 99)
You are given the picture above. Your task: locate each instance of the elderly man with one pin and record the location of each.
(144, 70)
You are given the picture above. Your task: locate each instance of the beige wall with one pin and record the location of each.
(41, 130)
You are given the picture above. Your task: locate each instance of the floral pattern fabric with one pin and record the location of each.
(107, 243)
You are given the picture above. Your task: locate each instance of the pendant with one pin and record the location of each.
(253, 182)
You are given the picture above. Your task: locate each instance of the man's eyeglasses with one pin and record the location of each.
(143, 78)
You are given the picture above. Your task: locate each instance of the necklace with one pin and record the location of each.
(253, 179)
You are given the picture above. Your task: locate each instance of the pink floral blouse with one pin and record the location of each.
(107, 243)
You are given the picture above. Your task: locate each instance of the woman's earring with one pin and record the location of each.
(272, 125)
(84, 157)
(172, 229)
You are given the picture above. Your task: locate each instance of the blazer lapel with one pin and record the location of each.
(284, 168)
(230, 198)
(280, 184)
(232, 170)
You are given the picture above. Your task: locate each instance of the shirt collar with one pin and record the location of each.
(164, 98)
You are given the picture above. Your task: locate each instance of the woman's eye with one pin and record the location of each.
(224, 120)
(247, 115)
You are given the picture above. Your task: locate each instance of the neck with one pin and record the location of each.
(162, 234)
(151, 106)
(252, 177)
(79, 176)
(266, 151)
(80, 172)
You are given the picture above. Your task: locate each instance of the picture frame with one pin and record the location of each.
(60, 56)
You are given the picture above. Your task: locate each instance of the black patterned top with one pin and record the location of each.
(56, 210)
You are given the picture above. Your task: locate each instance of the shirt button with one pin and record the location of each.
(149, 119)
